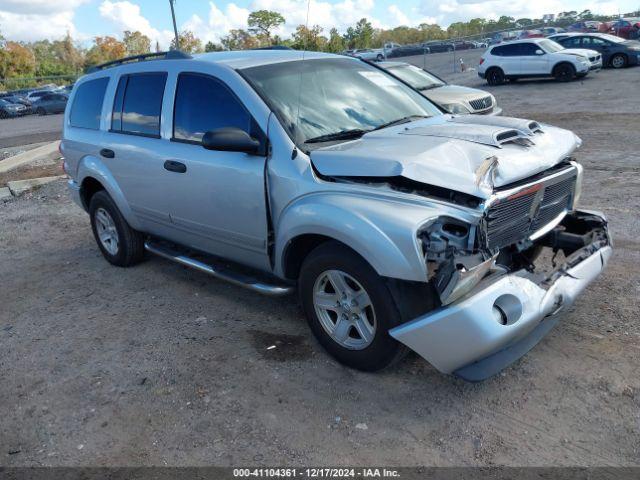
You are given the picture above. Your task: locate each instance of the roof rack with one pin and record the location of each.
(170, 55)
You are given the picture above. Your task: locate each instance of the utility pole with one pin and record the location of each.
(175, 29)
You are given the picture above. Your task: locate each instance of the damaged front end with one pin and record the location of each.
(498, 300)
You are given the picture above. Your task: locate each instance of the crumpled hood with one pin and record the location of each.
(451, 152)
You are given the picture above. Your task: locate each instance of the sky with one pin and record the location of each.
(29, 20)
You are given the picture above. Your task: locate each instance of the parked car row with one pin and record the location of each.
(393, 50)
(627, 28)
(42, 101)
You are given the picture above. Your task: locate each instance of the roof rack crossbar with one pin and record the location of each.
(169, 55)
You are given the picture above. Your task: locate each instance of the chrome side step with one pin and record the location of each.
(229, 276)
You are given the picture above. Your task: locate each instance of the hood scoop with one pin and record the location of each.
(527, 127)
(479, 133)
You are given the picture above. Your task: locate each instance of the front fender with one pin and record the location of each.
(382, 231)
(91, 166)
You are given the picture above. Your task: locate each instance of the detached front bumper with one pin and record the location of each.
(467, 337)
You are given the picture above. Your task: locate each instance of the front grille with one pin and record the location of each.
(520, 215)
(481, 103)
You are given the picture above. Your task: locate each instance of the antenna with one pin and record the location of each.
(175, 29)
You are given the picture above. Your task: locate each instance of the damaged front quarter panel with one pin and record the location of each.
(455, 263)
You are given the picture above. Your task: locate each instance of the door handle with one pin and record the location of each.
(174, 166)
(106, 153)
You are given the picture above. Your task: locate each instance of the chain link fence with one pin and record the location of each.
(29, 83)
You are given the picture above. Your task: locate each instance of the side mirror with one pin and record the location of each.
(539, 52)
(230, 139)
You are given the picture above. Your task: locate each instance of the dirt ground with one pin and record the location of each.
(160, 365)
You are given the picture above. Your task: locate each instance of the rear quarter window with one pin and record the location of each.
(87, 104)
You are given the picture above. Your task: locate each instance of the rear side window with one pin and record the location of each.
(506, 50)
(87, 104)
(571, 42)
(204, 103)
(138, 104)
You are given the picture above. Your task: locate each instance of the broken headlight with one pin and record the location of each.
(454, 263)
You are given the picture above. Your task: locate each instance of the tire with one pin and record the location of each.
(3, 114)
(379, 57)
(370, 352)
(564, 72)
(619, 60)
(495, 76)
(120, 244)
(41, 111)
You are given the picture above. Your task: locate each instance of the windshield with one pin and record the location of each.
(550, 46)
(319, 98)
(416, 77)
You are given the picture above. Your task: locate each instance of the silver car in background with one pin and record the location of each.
(400, 227)
(452, 98)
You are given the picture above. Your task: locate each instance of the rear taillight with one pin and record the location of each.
(481, 61)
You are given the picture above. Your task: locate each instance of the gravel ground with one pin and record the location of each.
(160, 365)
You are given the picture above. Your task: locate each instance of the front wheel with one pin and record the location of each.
(41, 111)
(380, 57)
(349, 308)
(564, 72)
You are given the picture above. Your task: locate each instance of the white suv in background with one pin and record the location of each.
(536, 57)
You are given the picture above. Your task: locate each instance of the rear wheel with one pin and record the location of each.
(3, 114)
(349, 308)
(495, 76)
(619, 61)
(564, 72)
(380, 57)
(120, 244)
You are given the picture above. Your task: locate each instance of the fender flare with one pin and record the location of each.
(93, 167)
(384, 233)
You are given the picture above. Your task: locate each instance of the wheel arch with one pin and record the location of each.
(561, 63)
(383, 237)
(93, 175)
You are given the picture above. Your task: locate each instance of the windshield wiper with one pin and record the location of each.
(342, 135)
(399, 121)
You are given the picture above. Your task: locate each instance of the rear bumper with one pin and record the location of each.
(74, 192)
(466, 338)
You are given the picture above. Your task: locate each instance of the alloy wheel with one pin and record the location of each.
(107, 232)
(618, 61)
(344, 309)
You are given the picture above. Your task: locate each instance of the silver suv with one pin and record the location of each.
(398, 225)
